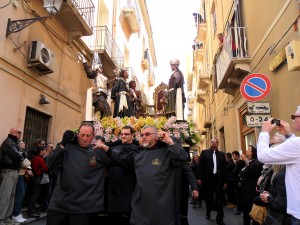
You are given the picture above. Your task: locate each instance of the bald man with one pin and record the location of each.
(10, 161)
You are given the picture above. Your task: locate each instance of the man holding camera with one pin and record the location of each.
(79, 193)
(286, 153)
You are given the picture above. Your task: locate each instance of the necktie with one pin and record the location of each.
(215, 163)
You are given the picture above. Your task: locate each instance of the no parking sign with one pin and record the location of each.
(255, 87)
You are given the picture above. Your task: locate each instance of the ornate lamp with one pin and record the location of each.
(52, 6)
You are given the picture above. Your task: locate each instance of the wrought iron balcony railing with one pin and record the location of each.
(234, 51)
(102, 42)
(86, 8)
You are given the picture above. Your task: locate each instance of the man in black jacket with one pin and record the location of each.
(10, 161)
(79, 193)
(153, 198)
(212, 176)
(121, 181)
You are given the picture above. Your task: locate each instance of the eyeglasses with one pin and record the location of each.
(147, 134)
(19, 132)
(294, 116)
(125, 134)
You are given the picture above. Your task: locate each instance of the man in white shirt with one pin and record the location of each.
(286, 153)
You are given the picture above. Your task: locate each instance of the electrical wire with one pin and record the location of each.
(52, 33)
(276, 43)
(2, 7)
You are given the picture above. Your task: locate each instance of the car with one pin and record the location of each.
(263, 107)
(251, 108)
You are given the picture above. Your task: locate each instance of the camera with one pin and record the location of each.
(275, 121)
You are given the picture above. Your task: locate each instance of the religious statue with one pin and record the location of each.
(120, 95)
(176, 83)
(100, 90)
(136, 100)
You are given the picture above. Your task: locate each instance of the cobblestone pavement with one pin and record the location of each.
(196, 217)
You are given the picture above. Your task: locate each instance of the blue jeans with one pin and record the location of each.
(20, 193)
(295, 221)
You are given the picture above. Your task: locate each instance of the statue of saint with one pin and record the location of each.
(100, 90)
(136, 100)
(120, 95)
(176, 81)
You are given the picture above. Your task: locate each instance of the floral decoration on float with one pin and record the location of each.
(110, 127)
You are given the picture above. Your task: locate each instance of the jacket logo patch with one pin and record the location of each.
(155, 162)
(93, 161)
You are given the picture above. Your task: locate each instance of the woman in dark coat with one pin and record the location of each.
(120, 95)
(275, 198)
(249, 175)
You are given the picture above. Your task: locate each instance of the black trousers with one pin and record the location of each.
(214, 196)
(59, 218)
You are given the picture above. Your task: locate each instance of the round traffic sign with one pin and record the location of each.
(255, 87)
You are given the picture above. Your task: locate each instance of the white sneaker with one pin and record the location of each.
(18, 218)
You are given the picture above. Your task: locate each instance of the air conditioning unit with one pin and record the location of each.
(40, 57)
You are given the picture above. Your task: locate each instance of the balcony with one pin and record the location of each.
(203, 82)
(146, 59)
(77, 16)
(232, 63)
(201, 97)
(103, 43)
(131, 15)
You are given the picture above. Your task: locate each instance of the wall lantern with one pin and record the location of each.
(43, 100)
(52, 6)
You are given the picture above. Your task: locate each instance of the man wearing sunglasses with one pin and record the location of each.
(121, 181)
(153, 198)
(10, 161)
(286, 153)
(211, 174)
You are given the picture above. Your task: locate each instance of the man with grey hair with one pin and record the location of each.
(10, 162)
(153, 198)
(286, 153)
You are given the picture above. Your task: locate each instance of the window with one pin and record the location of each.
(36, 126)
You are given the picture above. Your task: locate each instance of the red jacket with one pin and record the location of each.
(38, 165)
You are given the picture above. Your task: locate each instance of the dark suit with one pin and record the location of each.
(212, 183)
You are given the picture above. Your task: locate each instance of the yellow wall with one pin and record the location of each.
(268, 23)
(20, 86)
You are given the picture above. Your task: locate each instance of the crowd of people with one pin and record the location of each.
(129, 180)
(21, 173)
(147, 181)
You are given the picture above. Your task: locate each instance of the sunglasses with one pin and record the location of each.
(147, 134)
(294, 116)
